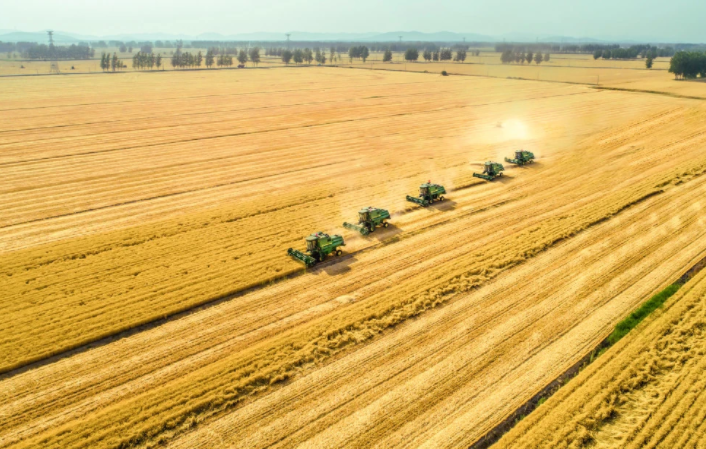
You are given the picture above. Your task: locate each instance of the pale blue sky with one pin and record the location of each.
(682, 20)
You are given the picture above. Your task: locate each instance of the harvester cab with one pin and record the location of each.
(428, 193)
(491, 170)
(369, 218)
(318, 246)
(521, 158)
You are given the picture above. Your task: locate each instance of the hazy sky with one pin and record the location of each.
(683, 20)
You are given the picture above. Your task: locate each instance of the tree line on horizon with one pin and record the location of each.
(113, 63)
(181, 60)
(509, 56)
(633, 52)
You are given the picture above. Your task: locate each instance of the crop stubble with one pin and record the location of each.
(160, 382)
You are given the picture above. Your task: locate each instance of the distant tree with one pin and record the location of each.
(506, 57)
(427, 55)
(606, 54)
(352, 53)
(529, 57)
(387, 56)
(538, 58)
(158, 61)
(176, 59)
(298, 56)
(597, 54)
(546, 57)
(317, 55)
(104, 62)
(129, 49)
(255, 55)
(199, 59)
(332, 54)
(122, 48)
(648, 61)
(287, 56)
(115, 63)
(460, 55)
(412, 54)
(364, 52)
(209, 58)
(445, 54)
(242, 57)
(307, 55)
(146, 48)
(435, 56)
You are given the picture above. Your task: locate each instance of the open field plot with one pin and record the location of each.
(601, 76)
(647, 391)
(153, 193)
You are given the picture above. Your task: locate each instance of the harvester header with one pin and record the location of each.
(318, 246)
(369, 219)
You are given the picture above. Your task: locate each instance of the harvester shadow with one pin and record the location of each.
(335, 266)
(443, 205)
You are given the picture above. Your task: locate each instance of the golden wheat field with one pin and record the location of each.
(148, 298)
(646, 392)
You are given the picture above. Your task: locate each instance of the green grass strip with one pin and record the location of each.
(641, 313)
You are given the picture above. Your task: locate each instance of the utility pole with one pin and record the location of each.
(288, 34)
(54, 67)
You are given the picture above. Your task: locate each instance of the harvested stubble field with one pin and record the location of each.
(149, 194)
(648, 391)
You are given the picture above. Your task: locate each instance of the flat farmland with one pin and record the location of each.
(647, 391)
(131, 198)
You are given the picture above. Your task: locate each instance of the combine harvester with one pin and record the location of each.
(428, 193)
(369, 219)
(318, 246)
(491, 171)
(521, 158)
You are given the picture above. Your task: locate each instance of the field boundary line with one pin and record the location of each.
(496, 433)
(656, 92)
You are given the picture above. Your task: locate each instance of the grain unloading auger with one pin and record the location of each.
(491, 171)
(318, 246)
(369, 219)
(521, 158)
(428, 193)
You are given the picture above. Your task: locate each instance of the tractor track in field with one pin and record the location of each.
(236, 294)
(275, 130)
(195, 326)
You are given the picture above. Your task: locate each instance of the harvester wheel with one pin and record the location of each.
(339, 252)
(385, 224)
(441, 198)
(372, 228)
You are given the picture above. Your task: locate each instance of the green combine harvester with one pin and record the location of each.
(318, 246)
(428, 193)
(369, 219)
(521, 158)
(491, 171)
